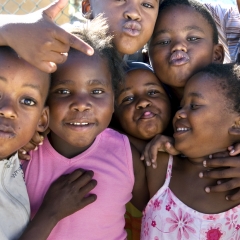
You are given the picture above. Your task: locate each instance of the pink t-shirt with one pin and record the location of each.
(168, 218)
(111, 160)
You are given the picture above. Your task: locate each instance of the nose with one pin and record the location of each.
(181, 113)
(7, 109)
(132, 12)
(143, 103)
(81, 104)
(179, 46)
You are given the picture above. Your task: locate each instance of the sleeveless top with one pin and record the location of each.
(110, 158)
(167, 218)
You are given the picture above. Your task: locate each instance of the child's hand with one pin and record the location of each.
(38, 40)
(159, 143)
(36, 140)
(69, 193)
(230, 174)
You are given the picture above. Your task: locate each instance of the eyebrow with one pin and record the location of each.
(195, 94)
(187, 28)
(37, 87)
(146, 84)
(96, 82)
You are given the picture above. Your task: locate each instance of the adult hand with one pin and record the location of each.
(37, 39)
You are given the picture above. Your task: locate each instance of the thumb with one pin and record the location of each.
(54, 9)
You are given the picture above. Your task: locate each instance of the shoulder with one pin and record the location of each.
(156, 177)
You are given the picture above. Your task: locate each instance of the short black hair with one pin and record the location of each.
(96, 34)
(198, 7)
(228, 77)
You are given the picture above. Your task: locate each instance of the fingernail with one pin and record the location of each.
(227, 198)
(219, 182)
(232, 151)
(207, 190)
(210, 156)
(36, 148)
(148, 164)
(154, 166)
(41, 143)
(24, 152)
(205, 163)
(200, 175)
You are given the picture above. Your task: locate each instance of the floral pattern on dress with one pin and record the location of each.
(167, 218)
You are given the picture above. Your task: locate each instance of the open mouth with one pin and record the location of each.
(182, 129)
(147, 115)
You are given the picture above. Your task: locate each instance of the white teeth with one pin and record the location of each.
(182, 129)
(78, 124)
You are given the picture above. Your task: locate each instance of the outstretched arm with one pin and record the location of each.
(37, 39)
(64, 197)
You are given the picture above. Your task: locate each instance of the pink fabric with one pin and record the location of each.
(167, 218)
(111, 160)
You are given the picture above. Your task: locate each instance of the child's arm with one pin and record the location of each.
(37, 39)
(159, 143)
(231, 172)
(64, 197)
(140, 191)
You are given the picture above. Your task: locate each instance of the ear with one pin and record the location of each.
(86, 9)
(43, 121)
(235, 128)
(218, 53)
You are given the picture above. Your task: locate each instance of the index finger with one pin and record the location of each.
(222, 162)
(73, 41)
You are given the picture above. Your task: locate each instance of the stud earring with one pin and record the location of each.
(88, 15)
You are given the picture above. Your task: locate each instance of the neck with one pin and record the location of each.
(139, 144)
(64, 148)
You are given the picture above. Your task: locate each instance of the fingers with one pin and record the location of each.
(73, 41)
(23, 155)
(54, 9)
(169, 148)
(234, 150)
(222, 162)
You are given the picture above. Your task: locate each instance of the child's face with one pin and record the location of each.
(23, 91)
(81, 101)
(201, 125)
(131, 22)
(142, 107)
(181, 45)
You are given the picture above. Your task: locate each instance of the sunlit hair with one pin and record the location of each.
(96, 34)
(228, 78)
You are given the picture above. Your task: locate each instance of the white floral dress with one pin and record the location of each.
(167, 218)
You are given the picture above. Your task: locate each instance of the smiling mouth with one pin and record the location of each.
(182, 129)
(79, 124)
(179, 58)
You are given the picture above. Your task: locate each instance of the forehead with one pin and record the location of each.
(81, 68)
(13, 68)
(179, 17)
(205, 85)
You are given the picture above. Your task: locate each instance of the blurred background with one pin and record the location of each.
(71, 13)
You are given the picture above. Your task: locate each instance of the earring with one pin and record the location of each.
(88, 15)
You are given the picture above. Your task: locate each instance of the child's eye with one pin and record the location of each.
(192, 39)
(152, 92)
(97, 91)
(193, 106)
(147, 5)
(127, 99)
(28, 101)
(63, 91)
(164, 42)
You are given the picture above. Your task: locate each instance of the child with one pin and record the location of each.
(23, 93)
(81, 103)
(142, 109)
(177, 210)
(181, 45)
